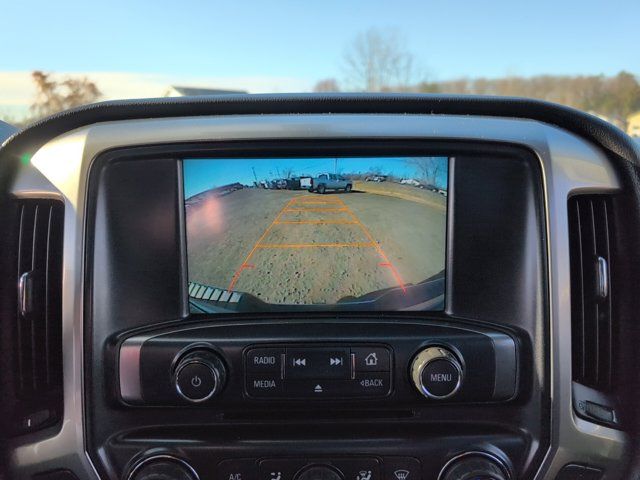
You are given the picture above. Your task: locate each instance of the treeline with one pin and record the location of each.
(379, 61)
(615, 97)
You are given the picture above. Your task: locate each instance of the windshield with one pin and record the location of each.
(58, 55)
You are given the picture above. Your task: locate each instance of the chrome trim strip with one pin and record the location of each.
(488, 455)
(427, 356)
(129, 369)
(172, 458)
(214, 374)
(25, 292)
(602, 278)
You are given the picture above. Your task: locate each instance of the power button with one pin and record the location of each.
(196, 380)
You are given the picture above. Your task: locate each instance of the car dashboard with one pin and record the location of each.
(376, 328)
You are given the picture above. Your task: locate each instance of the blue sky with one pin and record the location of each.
(306, 40)
(203, 174)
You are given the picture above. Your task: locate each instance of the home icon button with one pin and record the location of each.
(371, 359)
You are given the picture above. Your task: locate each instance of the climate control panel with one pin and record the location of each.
(321, 468)
(223, 366)
(472, 465)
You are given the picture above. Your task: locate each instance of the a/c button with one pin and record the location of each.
(237, 469)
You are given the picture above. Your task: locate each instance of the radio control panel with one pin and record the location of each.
(309, 371)
(216, 366)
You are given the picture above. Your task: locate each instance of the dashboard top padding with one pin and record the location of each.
(588, 126)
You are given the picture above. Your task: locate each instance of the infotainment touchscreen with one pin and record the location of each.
(313, 234)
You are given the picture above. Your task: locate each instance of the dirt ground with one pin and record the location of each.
(296, 247)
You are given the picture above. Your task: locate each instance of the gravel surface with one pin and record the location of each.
(293, 247)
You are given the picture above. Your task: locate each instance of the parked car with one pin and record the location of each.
(306, 182)
(299, 183)
(376, 178)
(330, 181)
(410, 181)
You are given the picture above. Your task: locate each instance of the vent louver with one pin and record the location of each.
(590, 230)
(38, 354)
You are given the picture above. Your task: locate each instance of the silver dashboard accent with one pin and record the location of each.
(427, 356)
(602, 278)
(25, 293)
(464, 455)
(569, 165)
(129, 369)
(214, 374)
(171, 458)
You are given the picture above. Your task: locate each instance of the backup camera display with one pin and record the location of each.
(289, 234)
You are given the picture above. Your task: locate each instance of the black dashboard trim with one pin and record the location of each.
(463, 151)
(603, 133)
(620, 148)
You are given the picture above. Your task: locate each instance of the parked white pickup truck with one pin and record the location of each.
(330, 181)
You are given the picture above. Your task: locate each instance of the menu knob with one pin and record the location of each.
(436, 373)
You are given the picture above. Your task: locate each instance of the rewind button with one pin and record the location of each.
(317, 363)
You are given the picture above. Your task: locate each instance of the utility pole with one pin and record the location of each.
(335, 166)
(254, 175)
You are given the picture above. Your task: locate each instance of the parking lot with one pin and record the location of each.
(300, 248)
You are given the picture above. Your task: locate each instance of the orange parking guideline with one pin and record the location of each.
(344, 208)
(315, 222)
(255, 247)
(341, 209)
(315, 199)
(387, 262)
(312, 245)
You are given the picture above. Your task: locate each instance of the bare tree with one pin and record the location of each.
(56, 95)
(377, 60)
(287, 172)
(327, 85)
(428, 168)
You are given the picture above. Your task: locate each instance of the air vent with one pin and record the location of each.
(590, 222)
(38, 329)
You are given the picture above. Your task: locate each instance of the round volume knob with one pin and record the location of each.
(319, 472)
(162, 467)
(199, 376)
(474, 466)
(436, 373)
